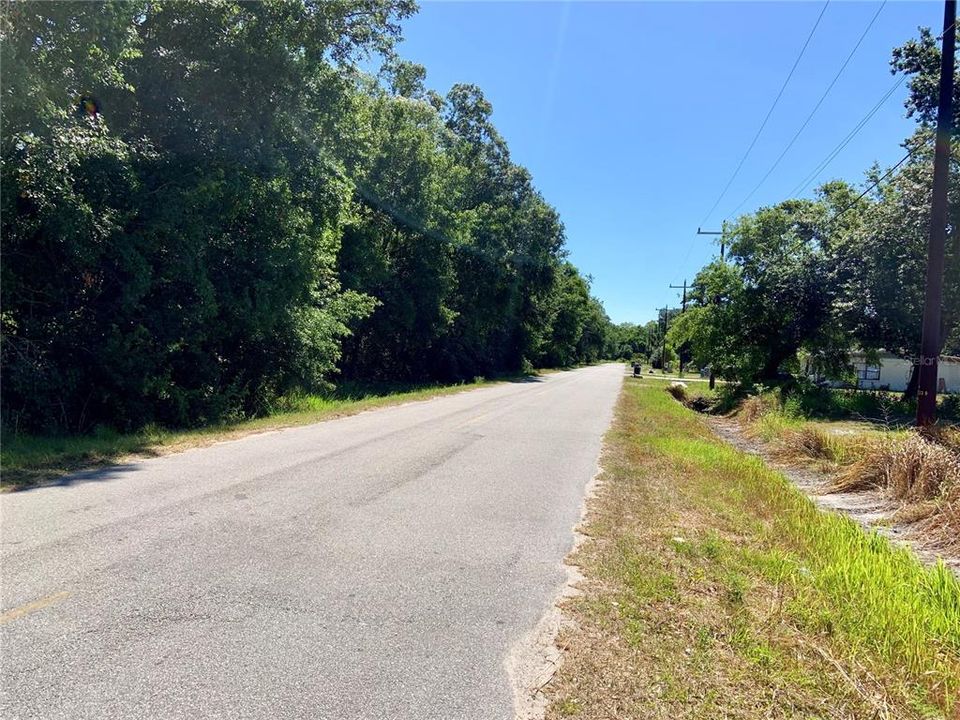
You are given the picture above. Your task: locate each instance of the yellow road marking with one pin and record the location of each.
(477, 418)
(32, 607)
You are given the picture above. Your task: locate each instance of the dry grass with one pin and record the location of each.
(811, 442)
(871, 471)
(919, 470)
(715, 590)
(678, 391)
(922, 472)
(942, 525)
(754, 407)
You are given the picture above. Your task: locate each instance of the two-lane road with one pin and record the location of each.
(376, 566)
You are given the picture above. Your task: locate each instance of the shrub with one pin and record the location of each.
(872, 470)
(756, 406)
(923, 469)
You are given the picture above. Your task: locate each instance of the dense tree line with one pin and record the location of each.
(808, 280)
(206, 205)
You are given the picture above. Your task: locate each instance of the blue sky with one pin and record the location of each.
(632, 116)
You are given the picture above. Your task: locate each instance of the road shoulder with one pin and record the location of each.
(713, 589)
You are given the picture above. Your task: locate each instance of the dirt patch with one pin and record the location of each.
(872, 508)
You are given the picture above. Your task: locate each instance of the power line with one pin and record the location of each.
(830, 223)
(888, 173)
(776, 100)
(815, 108)
(846, 140)
(859, 126)
(849, 137)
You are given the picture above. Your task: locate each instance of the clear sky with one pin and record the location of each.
(633, 115)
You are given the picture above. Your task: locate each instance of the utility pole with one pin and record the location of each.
(663, 344)
(682, 310)
(723, 247)
(684, 286)
(930, 338)
(714, 232)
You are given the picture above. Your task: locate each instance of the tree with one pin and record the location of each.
(627, 341)
(207, 205)
(888, 256)
(172, 256)
(709, 327)
(782, 290)
(396, 245)
(919, 60)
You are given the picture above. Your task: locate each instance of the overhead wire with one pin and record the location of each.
(831, 221)
(823, 164)
(843, 143)
(766, 118)
(829, 226)
(888, 173)
(813, 112)
(810, 177)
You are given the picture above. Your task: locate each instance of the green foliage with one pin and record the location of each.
(807, 281)
(28, 458)
(245, 214)
(919, 60)
(813, 279)
(802, 283)
(628, 341)
(888, 257)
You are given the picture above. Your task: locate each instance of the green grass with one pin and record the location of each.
(805, 401)
(877, 406)
(27, 459)
(844, 582)
(733, 591)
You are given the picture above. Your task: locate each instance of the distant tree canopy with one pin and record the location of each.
(818, 278)
(206, 205)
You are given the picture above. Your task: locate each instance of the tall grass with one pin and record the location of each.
(875, 603)
(804, 400)
(920, 470)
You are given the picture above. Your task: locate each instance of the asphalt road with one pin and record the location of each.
(376, 566)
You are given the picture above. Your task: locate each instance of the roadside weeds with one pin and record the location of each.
(715, 589)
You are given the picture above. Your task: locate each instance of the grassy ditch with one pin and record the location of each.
(921, 472)
(27, 459)
(714, 589)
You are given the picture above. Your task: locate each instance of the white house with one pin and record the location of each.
(893, 373)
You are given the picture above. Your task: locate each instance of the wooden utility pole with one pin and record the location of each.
(930, 338)
(714, 232)
(663, 344)
(682, 310)
(684, 286)
(723, 247)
